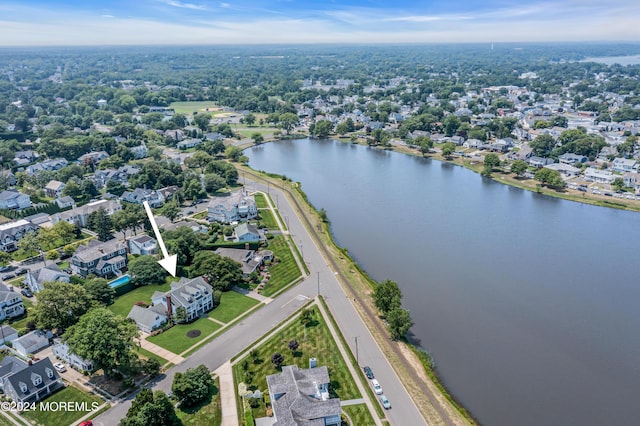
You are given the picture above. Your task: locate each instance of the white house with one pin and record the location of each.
(194, 295)
(232, 208)
(11, 199)
(623, 165)
(11, 304)
(600, 176)
(148, 319)
(35, 278)
(7, 334)
(140, 195)
(32, 342)
(61, 351)
(79, 215)
(565, 169)
(142, 244)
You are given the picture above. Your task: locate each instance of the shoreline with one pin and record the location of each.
(432, 394)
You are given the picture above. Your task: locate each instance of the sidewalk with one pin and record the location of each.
(227, 395)
(160, 351)
(253, 295)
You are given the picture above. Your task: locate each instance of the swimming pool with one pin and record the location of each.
(120, 281)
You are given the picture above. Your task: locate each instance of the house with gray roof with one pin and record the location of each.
(301, 397)
(11, 199)
(148, 319)
(54, 188)
(250, 260)
(232, 208)
(79, 215)
(61, 351)
(246, 232)
(33, 383)
(35, 278)
(142, 244)
(10, 365)
(140, 195)
(94, 156)
(11, 304)
(12, 232)
(99, 258)
(32, 342)
(195, 295)
(54, 164)
(7, 334)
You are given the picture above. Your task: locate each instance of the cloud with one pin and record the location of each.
(182, 5)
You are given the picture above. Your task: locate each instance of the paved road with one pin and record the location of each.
(215, 353)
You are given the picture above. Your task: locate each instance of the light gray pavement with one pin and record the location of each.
(244, 333)
(227, 395)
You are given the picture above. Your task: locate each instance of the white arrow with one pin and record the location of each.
(169, 262)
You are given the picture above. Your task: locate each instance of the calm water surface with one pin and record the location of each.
(529, 304)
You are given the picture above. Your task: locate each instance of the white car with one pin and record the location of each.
(376, 387)
(60, 367)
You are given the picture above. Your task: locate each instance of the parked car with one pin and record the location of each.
(8, 276)
(21, 271)
(86, 423)
(385, 402)
(26, 292)
(4, 268)
(368, 373)
(376, 387)
(60, 367)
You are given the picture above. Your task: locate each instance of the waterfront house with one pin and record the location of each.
(99, 258)
(600, 176)
(564, 169)
(301, 397)
(623, 165)
(632, 180)
(11, 304)
(539, 162)
(30, 382)
(35, 278)
(232, 208)
(11, 199)
(250, 260)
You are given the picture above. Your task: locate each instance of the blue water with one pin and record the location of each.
(120, 281)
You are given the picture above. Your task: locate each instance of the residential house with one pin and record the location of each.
(65, 202)
(233, 208)
(623, 165)
(632, 180)
(606, 152)
(539, 162)
(32, 383)
(99, 258)
(7, 334)
(571, 158)
(8, 178)
(11, 304)
(122, 174)
(524, 153)
(245, 232)
(54, 188)
(36, 278)
(50, 165)
(214, 136)
(140, 195)
(301, 397)
(168, 191)
(12, 232)
(176, 135)
(32, 342)
(474, 143)
(139, 151)
(11, 199)
(189, 143)
(600, 176)
(564, 169)
(61, 351)
(148, 319)
(21, 158)
(250, 260)
(94, 156)
(195, 295)
(142, 244)
(79, 215)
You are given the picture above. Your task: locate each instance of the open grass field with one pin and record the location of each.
(267, 219)
(317, 342)
(261, 201)
(232, 305)
(209, 412)
(248, 131)
(284, 272)
(176, 340)
(200, 107)
(359, 414)
(123, 304)
(62, 417)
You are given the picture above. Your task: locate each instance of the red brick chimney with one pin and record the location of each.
(169, 307)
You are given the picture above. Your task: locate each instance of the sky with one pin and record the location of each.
(178, 22)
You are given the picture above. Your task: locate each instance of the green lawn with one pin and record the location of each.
(149, 355)
(176, 340)
(248, 131)
(194, 106)
(232, 305)
(318, 343)
(359, 414)
(209, 412)
(261, 201)
(123, 304)
(285, 271)
(5, 422)
(267, 219)
(63, 417)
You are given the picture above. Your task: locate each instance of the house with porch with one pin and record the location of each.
(30, 382)
(99, 258)
(623, 165)
(301, 397)
(600, 176)
(35, 278)
(246, 232)
(12, 232)
(11, 304)
(195, 295)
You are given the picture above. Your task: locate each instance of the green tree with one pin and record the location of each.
(192, 386)
(233, 153)
(202, 121)
(398, 322)
(277, 360)
(387, 296)
(146, 270)
(184, 243)
(73, 190)
(306, 317)
(322, 129)
(250, 119)
(60, 305)
(105, 338)
(257, 138)
(100, 223)
(288, 121)
(519, 167)
(151, 409)
(550, 178)
(5, 258)
(99, 290)
(451, 124)
(199, 159)
(30, 243)
(491, 161)
(618, 184)
(542, 145)
(65, 231)
(115, 187)
(447, 149)
(222, 272)
(213, 183)
(170, 210)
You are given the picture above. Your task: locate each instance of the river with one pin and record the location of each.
(528, 303)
